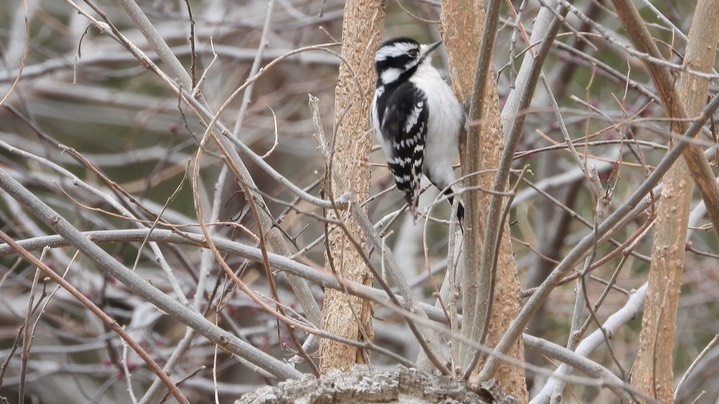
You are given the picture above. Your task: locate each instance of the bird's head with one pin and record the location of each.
(398, 56)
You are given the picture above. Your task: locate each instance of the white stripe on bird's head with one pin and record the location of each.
(395, 50)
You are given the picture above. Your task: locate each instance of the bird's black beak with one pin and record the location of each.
(429, 48)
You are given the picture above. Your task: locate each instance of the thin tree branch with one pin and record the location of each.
(107, 263)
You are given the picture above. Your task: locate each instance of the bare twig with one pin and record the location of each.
(694, 364)
(224, 339)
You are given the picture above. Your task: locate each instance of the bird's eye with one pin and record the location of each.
(414, 53)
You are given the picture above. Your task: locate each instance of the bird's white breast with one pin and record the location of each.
(445, 115)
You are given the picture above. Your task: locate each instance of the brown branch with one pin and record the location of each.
(672, 98)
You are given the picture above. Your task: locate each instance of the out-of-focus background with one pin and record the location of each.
(84, 123)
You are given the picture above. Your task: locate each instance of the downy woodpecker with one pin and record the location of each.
(417, 118)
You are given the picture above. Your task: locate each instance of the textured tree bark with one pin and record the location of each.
(652, 370)
(365, 384)
(461, 25)
(344, 315)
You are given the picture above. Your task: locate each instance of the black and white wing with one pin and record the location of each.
(404, 128)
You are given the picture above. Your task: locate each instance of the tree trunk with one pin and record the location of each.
(652, 370)
(461, 23)
(344, 315)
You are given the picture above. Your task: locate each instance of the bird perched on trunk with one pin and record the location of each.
(417, 118)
